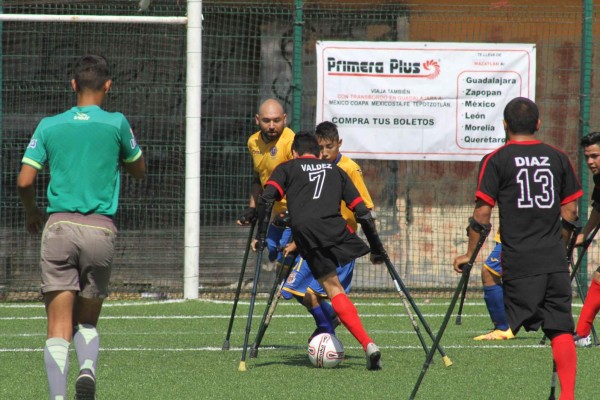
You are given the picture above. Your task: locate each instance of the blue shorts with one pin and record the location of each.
(301, 279)
(277, 238)
(493, 262)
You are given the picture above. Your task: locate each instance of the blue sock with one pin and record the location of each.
(494, 300)
(327, 310)
(322, 321)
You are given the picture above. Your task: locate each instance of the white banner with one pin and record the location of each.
(421, 101)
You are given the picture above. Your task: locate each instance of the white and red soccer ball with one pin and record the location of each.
(325, 351)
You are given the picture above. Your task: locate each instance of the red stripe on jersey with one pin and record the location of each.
(350, 228)
(279, 189)
(485, 197)
(354, 203)
(572, 197)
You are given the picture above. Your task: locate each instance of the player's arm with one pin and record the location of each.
(358, 181)
(481, 218)
(592, 222)
(568, 212)
(137, 169)
(25, 187)
(249, 214)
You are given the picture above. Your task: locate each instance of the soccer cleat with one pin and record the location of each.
(585, 341)
(373, 355)
(496, 334)
(85, 386)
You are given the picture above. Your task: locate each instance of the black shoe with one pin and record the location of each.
(85, 386)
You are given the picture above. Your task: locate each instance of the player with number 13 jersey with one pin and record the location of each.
(536, 179)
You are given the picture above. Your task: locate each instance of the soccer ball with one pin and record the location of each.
(325, 351)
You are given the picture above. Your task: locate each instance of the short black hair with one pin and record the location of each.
(327, 130)
(521, 115)
(91, 72)
(590, 139)
(306, 143)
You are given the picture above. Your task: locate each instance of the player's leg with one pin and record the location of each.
(491, 277)
(97, 240)
(60, 282)
(559, 326)
(318, 295)
(322, 320)
(348, 314)
(59, 310)
(296, 287)
(590, 307)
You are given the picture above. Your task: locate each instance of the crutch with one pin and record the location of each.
(462, 296)
(575, 228)
(575, 269)
(274, 296)
(407, 298)
(259, 249)
(483, 233)
(239, 286)
(575, 272)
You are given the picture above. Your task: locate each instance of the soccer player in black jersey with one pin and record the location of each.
(591, 151)
(314, 189)
(534, 185)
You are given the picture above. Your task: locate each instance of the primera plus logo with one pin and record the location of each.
(398, 68)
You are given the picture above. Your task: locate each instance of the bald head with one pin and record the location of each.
(271, 119)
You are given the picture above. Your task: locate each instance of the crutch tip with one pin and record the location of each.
(225, 345)
(447, 361)
(242, 367)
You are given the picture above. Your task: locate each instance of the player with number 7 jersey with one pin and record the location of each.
(314, 190)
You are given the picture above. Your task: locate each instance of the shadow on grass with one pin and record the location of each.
(301, 360)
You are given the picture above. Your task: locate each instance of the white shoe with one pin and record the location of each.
(585, 341)
(373, 357)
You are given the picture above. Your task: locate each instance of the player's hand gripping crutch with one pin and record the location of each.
(264, 213)
(575, 228)
(483, 231)
(462, 296)
(274, 295)
(239, 285)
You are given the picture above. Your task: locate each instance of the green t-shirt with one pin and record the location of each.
(83, 147)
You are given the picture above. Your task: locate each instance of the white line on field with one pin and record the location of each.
(358, 302)
(167, 317)
(212, 348)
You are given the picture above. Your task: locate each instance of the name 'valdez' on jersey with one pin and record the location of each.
(314, 189)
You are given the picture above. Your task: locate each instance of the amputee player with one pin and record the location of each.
(269, 146)
(83, 148)
(314, 190)
(591, 151)
(534, 185)
(301, 284)
(491, 278)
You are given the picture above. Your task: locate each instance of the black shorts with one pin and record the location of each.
(541, 300)
(323, 261)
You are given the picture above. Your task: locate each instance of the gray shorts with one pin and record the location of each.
(76, 253)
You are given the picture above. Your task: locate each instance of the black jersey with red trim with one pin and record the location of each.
(529, 180)
(314, 189)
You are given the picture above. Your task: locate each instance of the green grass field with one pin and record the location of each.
(172, 350)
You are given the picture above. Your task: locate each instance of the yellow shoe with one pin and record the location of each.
(496, 335)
